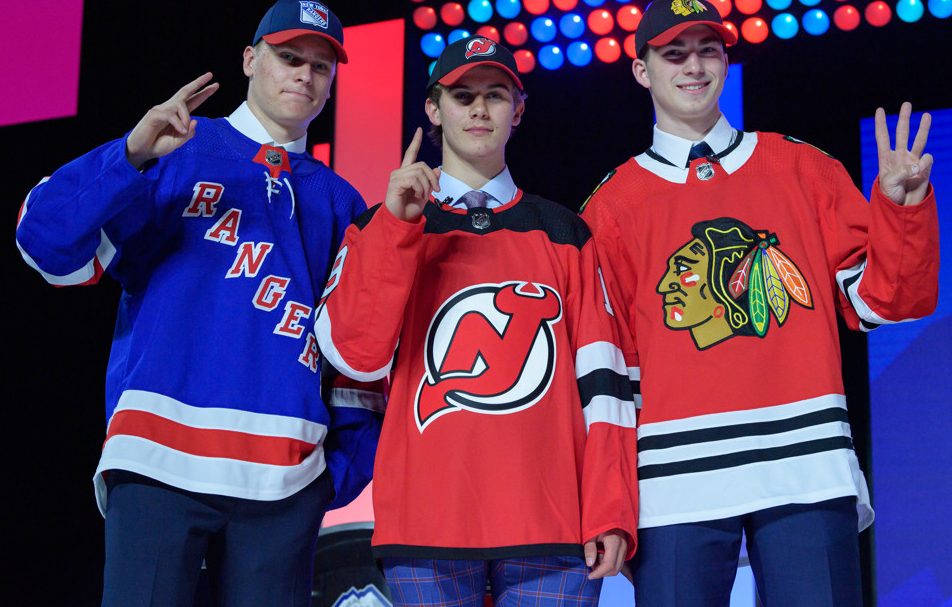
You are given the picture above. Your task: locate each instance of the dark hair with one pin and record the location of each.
(435, 132)
(728, 241)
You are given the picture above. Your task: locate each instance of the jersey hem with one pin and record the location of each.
(480, 554)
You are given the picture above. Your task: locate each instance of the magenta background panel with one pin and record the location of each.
(39, 60)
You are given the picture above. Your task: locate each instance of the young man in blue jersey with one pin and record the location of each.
(220, 446)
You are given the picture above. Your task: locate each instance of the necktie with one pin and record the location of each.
(474, 199)
(700, 150)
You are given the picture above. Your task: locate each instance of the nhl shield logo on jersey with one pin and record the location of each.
(480, 47)
(490, 349)
(314, 13)
(728, 281)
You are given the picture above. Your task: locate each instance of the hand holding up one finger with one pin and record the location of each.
(410, 185)
(167, 126)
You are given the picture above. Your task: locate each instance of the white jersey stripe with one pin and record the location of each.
(610, 410)
(599, 355)
(322, 329)
(849, 281)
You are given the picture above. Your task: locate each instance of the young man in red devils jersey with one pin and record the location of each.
(730, 254)
(507, 452)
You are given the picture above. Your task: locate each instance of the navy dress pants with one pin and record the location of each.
(802, 555)
(256, 552)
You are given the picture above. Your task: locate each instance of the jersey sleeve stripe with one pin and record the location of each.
(611, 410)
(358, 399)
(322, 328)
(603, 382)
(599, 355)
(849, 281)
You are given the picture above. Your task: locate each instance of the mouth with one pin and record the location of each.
(299, 95)
(479, 131)
(694, 87)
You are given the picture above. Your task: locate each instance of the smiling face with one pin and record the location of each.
(289, 83)
(685, 78)
(477, 114)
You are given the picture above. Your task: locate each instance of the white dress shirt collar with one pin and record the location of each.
(676, 149)
(501, 189)
(244, 120)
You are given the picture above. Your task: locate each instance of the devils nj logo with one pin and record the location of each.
(489, 349)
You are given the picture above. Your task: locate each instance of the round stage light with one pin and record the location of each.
(456, 35)
(543, 30)
(515, 33)
(629, 17)
(565, 5)
(779, 5)
(551, 57)
(424, 18)
(809, 2)
(754, 30)
(452, 14)
(432, 44)
(784, 26)
(480, 11)
(629, 45)
(600, 22)
(536, 7)
(429, 70)
(941, 9)
(525, 61)
(488, 31)
(816, 22)
(571, 25)
(594, 2)
(723, 7)
(846, 18)
(749, 7)
(878, 13)
(607, 50)
(508, 8)
(579, 53)
(910, 11)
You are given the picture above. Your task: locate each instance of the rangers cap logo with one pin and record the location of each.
(482, 47)
(314, 13)
(490, 349)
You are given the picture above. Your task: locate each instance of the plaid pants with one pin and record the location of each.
(543, 581)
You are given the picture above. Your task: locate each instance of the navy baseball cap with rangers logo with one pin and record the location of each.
(288, 19)
(664, 20)
(467, 53)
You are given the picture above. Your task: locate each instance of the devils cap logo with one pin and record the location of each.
(481, 47)
(490, 349)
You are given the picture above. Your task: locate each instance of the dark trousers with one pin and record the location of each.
(802, 555)
(256, 552)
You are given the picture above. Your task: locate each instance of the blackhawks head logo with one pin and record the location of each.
(490, 349)
(729, 280)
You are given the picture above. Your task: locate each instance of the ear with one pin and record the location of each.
(433, 112)
(640, 70)
(517, 115)
(247, 63)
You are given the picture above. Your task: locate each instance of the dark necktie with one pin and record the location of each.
(700, 150)
(474, 199)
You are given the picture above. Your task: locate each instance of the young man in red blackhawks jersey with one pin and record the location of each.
(508, 448)
(220, 445)
(730, 254)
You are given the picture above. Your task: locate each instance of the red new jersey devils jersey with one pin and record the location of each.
(510, 429)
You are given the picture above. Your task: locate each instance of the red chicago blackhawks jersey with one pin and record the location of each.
(510, 428)
(729, 274)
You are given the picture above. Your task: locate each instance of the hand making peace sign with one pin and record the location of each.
(410, 185)
(168, 126)
(903, 173)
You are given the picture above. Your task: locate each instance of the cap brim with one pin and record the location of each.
(287, 35)
(452, 77)
(729, 37)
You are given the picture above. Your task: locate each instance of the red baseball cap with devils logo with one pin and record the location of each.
(663, 20)
(467, 53)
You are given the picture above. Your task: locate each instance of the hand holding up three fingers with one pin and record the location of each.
(903, 172)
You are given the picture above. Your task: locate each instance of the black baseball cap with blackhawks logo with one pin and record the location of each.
(288, 19)
(664, 20)
(467, 53)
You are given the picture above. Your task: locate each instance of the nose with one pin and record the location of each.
(692, 65)
(477, 108)
(303, 73)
